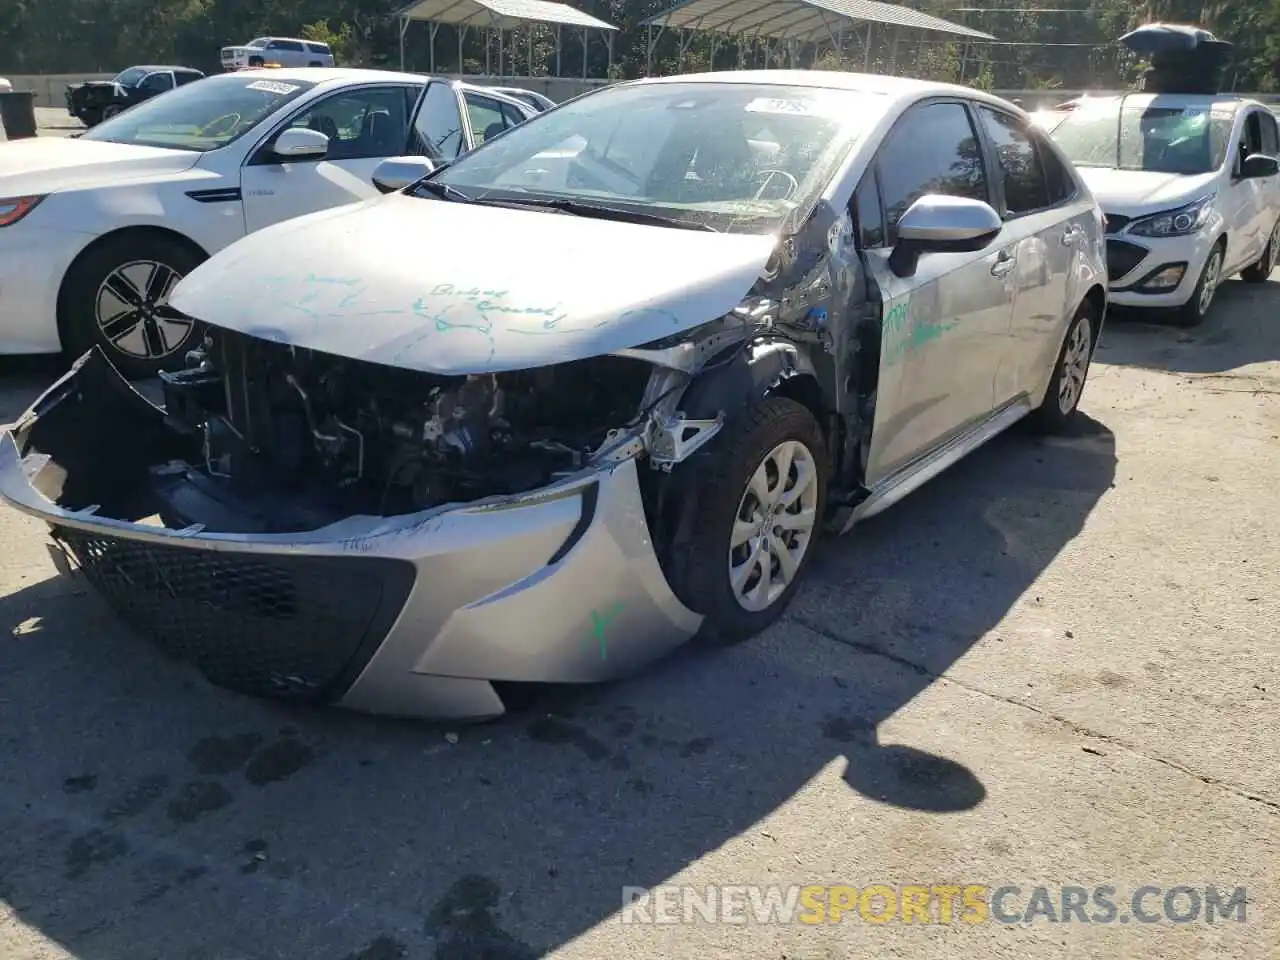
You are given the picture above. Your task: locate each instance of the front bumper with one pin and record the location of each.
(33, 261)
(1131, 261)
(411, 616)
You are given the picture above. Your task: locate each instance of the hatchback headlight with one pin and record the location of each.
(1175, 223)
(13, 209)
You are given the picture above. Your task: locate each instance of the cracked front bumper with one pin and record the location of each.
(413, 615)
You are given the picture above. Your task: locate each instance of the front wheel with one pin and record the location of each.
(1193, 312)
(1057, 410)
(116, 297)
(760, 507)
(1260, 272)
(111, 110)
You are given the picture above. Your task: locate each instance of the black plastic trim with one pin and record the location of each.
(220, 195)
(1137, 285)
(590, 501)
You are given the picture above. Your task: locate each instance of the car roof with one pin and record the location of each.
(162, 66)
(1229, 102)
(330, 74)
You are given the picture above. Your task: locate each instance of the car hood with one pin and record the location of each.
(454, 288)
(39, 165)
(1138, 192)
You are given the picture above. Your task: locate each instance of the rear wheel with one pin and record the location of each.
(1260, 272)
(1193, 312)
(760, 506)
(115, 297)
(1066, 386)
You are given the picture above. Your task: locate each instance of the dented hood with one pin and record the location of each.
(457, 288)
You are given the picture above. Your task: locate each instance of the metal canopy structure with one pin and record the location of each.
(502, 16)
(796, 22)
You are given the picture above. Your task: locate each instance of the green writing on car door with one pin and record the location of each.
(906, 331)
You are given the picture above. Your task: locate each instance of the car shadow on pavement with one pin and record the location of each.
(1243, 328)
(149, 815)
(22, 380)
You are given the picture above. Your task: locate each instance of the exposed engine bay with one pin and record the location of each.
(291, 439)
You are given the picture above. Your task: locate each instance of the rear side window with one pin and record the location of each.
(1270, 136)
(185, 77)
(1061, 184)
(1025, 187)
(932, 149)
(510, 115)
(321, 48)
(291, 45)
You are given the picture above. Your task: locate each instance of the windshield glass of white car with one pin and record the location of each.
(204, 115)
(1139, 136)
(729, 156)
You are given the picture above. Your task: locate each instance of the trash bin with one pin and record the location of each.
(18, 114)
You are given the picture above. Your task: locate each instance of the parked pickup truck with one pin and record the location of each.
(93, 101)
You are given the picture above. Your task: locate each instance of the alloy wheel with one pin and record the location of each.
(1075, 366)
(1272, 250)
(774, 526)
(1209, 283)
(133, 313)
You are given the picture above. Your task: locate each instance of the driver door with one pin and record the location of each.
(365, 125)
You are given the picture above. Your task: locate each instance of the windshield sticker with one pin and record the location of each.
(808, 107)
(272, 86)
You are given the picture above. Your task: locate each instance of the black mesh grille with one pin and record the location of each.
(1116, 222)
(296, 628)
(1122, 257)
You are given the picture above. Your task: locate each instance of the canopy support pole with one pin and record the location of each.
(462, 36)
(435, 28)
(559, 47)
(609, 36)
(584, 53)
(404, 26)
(866, 51)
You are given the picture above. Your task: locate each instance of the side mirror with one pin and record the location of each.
(396, 173)
(937, 223)
(1259, 165)
(299, 143)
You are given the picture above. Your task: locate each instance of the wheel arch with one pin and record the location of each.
(106, 239)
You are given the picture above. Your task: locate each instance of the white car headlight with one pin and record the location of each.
(1175, 223)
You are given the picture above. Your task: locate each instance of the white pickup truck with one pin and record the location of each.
(277, 52)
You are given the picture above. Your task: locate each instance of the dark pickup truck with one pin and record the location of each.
(93, 101)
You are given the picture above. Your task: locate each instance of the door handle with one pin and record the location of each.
(1071, 236)
(1004, 263)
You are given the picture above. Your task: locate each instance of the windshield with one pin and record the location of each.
(203, 115)
(257, 44)
(1144, 136)
(730, 156)
(127, 78)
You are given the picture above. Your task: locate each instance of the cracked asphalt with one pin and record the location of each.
(1056, 664)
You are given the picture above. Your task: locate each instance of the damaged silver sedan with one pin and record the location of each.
(548, 412)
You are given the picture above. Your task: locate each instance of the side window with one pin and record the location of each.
(485, 116)
(438, 124)
(361, 124)
(933, 149)
(184, 78)
(1270, 135)
(293, 46)
(157, 82)
(1062, 185)
(510, 115)
(1025, 188)
(868, 213)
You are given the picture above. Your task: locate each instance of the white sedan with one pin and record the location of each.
(96, 230)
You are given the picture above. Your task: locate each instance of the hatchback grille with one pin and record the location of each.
(1122, 257)
(288, 627)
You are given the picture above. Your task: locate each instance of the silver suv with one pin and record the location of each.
(277, 52)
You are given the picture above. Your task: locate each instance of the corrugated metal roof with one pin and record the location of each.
(500, 14)
(800, 19)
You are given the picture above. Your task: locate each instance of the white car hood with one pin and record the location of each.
(454, 288)
(40, 165)
(1138, 192)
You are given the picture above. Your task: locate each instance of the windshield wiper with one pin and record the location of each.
(600, 211)
(444, 191)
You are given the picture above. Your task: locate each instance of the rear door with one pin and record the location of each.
(438, 124)
(486, 117)
(945, 326)
(1039, 227)
(1245, 204)
(1270, 187)
(365, 125)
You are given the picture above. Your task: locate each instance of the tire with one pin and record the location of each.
(110, 110)
(1057, 410)
(1260, 272)
(777, 428)
(112, 298)
(90, 118)
(1193, 312)
(315, 63)
(256, 62)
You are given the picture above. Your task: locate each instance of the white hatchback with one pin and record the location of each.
(1190, 186)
